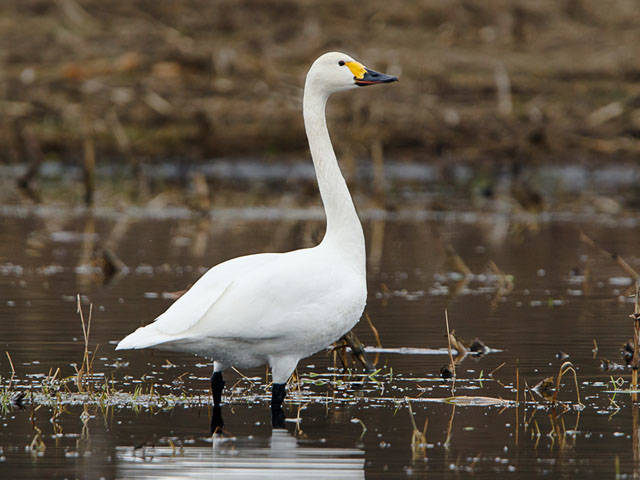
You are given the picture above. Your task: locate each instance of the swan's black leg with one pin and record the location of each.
(278, 392)
(217, 423)
(217, 385)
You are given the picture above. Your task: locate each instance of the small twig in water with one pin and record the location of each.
(496, 369)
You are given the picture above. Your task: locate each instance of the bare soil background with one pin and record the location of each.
(496, 80)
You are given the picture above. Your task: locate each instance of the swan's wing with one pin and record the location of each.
(190, 307)
(290, 294)
(188, 310)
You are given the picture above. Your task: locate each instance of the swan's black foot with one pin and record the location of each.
(217, 385)
(217, 423)
(278, 392)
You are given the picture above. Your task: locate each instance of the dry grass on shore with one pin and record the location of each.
(491, 80)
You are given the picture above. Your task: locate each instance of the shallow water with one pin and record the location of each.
(347, 425)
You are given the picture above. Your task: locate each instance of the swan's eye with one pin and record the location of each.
(341, 63)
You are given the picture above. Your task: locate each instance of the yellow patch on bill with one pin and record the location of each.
(357, 69)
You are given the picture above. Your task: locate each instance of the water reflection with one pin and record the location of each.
(282, 456)
(529, 293)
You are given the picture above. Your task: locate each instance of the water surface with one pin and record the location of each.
(550, 293)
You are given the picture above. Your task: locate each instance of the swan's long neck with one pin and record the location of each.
(344, 231)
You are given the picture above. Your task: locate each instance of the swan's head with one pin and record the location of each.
(335, 71)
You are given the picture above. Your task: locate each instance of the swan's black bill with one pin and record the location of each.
(372, 77)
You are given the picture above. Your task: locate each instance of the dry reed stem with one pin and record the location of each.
(37, 444)
(364, 427)
(614, 256)
(459, 346)
(456, 261)
(87, 364)
(30, 148)
(447, 442)
(528, 422)
(241, 374)
(377, 337)
(374, 330)
(13, 370)
(636, 341)
(89, 169)
(201, 192)
(496, 369)
(517, 403)
(294, 380)
(453, 364)
(505, 283)
(503, 88)
(418, 438)
(531, 396)
(357, 350)
(343, 357)
(243, 377)
(564, 368)
(299, 419)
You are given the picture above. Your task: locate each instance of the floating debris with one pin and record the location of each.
(545, 388)
(467, 401)
(17, 399)
(411, 350)
(478, 347)
(608, 365)
(463, 348)
(445, 372)
(549, 387)
(627, 351)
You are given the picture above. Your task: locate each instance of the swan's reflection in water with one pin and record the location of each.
(282, 457)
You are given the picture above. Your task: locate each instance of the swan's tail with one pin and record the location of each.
(144, 337)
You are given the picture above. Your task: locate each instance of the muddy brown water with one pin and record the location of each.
(565, 295)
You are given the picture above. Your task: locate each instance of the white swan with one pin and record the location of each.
(278, 308)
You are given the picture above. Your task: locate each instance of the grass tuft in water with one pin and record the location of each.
(565, 368)
(84, 374)
(418, 437)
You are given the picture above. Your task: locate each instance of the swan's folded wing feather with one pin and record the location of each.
(279, 298)
(189, 309)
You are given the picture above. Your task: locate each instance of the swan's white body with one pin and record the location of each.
(278, 308)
